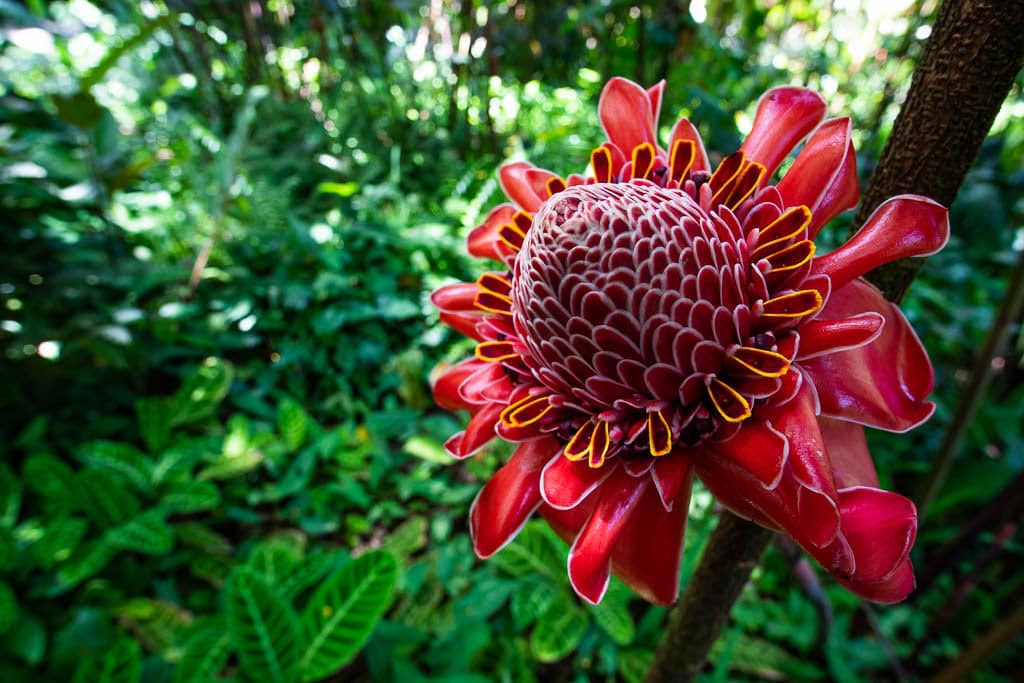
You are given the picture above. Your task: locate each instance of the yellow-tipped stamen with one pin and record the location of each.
(601, 162)
(725, 397)
(784, 228)
(496, 284)
(726, 171)
(657, 430)
(761, 362)
(555, 185)
(793, 305)
(526, 411)
(746, 182)
(792, 257)
(643, 160)
(599, 445)
(495, 351)
(681, 159)
(582, 438)
(511, 236)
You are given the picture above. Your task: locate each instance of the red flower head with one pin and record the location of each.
(659, 320)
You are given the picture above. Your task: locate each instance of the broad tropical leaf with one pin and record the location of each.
(264, 628)
(121, 663)
(343, 612)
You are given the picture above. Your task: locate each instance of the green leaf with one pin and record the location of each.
(118, 459)
(154, 419)
(206, 651)
(535, 550)
(121, 663)
(8, 549)
(9, 609)
(26, 639)
(558, 631)
(157, 623)
(292, 422)
(51, 478)
(612, 614)
(277, 556)
(147, 533)
(10, 496)
(264, 628)
(427, 449)
(634, 664)
(410, 536)
(229, 466)
(340, 189)
(530, 600)
(341, 615)
(314, 567)
(60, 537)
(191, 496)
(202, 392)
(87, 560)
(104, 498)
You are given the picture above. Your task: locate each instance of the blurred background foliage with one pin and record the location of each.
(221, 223)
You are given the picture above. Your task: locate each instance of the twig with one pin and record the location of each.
(983, 648)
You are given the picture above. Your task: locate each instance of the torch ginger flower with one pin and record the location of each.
(660, 319)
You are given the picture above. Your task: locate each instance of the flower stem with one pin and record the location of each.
(731, 554)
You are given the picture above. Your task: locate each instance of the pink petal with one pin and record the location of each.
(759, 449)
(590, 555)
(564, 483)
(880, 527)
(479, 431)
(626, 114)
(509, 497)
(446, 387)
(847, 449)
(784, 116)
(654, 94)
(904, 226)
(672, 475)
(457, 298)
(882, 384)
(684, 130)
(894, 589)
(517, 187)
(824, 175)
(828, 336)
(483, 241)
(647, 554)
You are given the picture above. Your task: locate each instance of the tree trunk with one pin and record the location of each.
(966, 70)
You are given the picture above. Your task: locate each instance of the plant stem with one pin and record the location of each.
(731, 554)
(973, 392)
(981, 649)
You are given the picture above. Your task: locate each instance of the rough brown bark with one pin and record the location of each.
(966, 70)
(732, 553)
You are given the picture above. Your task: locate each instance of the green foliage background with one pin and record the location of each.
(221, 225)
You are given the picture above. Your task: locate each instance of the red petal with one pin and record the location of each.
(590, 555)
(446, 387)
(759, 449)
(829, 336)
(463, 323)
(784, 116)
(880, 527)
(626, 114)
(684, 130)
(904, 226)
(892, 590)
(457, 298)
(509, 497)
(564, 483)
(538, 179)
(488, 384)
(848, 452)
(882, 384)
(654, 94)
(478, 432)
(517, 187)
(671, 475)
(647, 554)
(824, 175)
(483, 240)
